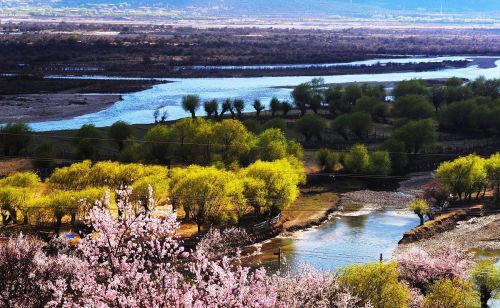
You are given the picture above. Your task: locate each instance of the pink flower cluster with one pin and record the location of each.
(419, 269)
(134, 259)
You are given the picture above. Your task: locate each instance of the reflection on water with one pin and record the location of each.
(343, 240)
(138, 107)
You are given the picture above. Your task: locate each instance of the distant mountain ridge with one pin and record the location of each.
(284, 7)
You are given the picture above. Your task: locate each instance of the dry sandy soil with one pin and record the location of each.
(45, 107)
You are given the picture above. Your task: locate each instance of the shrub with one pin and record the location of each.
(311, 126)
(14, 137)
(452, 293)
(375, 283)
(380, 163)
(327, 160)
(416, 135)
(119, 132)
(413, 107)
(357, 159)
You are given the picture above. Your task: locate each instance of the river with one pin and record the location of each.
(138, 108)
(358, 237)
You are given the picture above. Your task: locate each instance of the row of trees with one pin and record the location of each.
(207, 195)
(470, 175)
(189, 141)
(356, 160)
(137, 260)
(458, 106)
(410, 138)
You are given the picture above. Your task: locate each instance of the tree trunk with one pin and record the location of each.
(198, 225)
(485, 297)
(26, 219)
(5, 219)
(57, 225)
(13, 214)
(193, 115)
(73, 219)
(421, 219)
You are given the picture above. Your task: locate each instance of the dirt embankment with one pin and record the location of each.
(462, 229)
(33, 99)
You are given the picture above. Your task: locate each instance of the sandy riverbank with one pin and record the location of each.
(56, 106)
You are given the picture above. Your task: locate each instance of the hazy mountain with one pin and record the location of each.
(286, 7)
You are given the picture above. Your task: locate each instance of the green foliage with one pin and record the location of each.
(413, 107)
(408, 87)
(257, 105)
(233, 139)
(420, 208)
(463, 176)
(14, 137)
(327, 160)
(275, 123)
(274, 106)
(206, 194)
(111, 174)
(286, 107)
(227, 105)
(71, 177)
(211, 108)
(239, 105)
(253, 126)
(485, 278)
(132, 151)
(272, 145)
(376, 284)
(333, 97)
(438, 96)
(302, 96)
(367, 104)
(11, 200)
(416, 135)
(87, 141)
(351, 94)
(380, 163)
(477, 114)
(157, 143)
(21, 179)
(191, 103)
(281, 178)
(451, 293)
(486, 87)
(43, 156)
(357, 160)
(311, 126)
(357, 123)
(397, 153)
(119, 132)
(204, 142)
(492, 166)
(360, 124)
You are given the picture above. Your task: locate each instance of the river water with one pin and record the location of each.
(345, 239)
(138, 108)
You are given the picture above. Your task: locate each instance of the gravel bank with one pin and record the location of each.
(478, 233)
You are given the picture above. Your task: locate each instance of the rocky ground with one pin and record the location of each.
(479, 233)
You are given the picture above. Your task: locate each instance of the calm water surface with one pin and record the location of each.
(343, 240)
(138, 108)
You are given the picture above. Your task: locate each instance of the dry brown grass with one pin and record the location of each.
(311, 206)
(10, 166)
